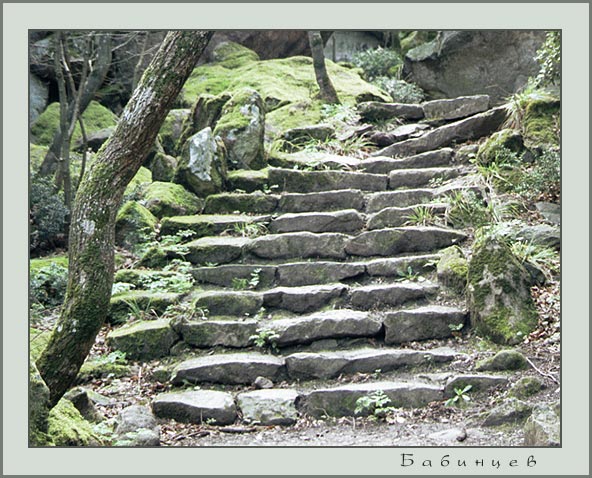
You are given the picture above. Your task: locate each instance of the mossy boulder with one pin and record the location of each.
(144, 340)
(134, 224)
(139, 303)
(36, 154)
(233, 55)
(241, 127)
(171, 130)
(452, 269)
(163, 167)
(38, 340)
(96, 117)
(169, 199)
(504, 360)
(110, 366)
(497, 146)
(526, 387)
(205, 113)
(138, 184)
(541, 123)
(248, 180)
(500, 303)
(42, 262)
(202, 168)
(38, 408)
(67, 427)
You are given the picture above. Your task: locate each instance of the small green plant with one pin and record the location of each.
(265, 339)
(240, 283)
(47, 285)
(456, 329)
(378, 62)
(460, 397)
(400, 91)
(421, 216)
(136, 312)
(377, 405)
(121, 288)
(116, 357)
(407, 274)
(255, 278)
(465, 209)
(47, 215)
(185, 310)
(549, 59)
(250, 229)
(543, 179)
(544, 258)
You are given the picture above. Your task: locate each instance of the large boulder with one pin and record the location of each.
(137, 426)
(267, 44)
(171, 130)
(202, 167)
(241, 127)
(133, 224)
(461, 63)
(500, 303)
(38, 95)
(543, 428)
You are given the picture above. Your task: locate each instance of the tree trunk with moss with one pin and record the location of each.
(327, 90)
(92, 230)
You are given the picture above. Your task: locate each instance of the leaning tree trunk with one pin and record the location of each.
(327, 91)
(91, 245)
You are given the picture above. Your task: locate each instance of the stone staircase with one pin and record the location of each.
(339, 287)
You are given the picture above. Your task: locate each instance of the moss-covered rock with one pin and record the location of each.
(103, 367)
(67, 427)
(500, 303)
(205, 114)
(241, 127)
(503, 360)
(453, 268)
(138, 184)
(169, 199)
(145, 340)
(248, 180)
(134, 224)
(233, 55)
(526, 387)
(171, 130)
(496, 148)
(42, 262)
(541, 121)
(38, 408)
(96, 117)
(140, 303)
(38, 340)
(163, 167)
(36, 154)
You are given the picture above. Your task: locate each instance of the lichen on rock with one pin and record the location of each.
(453, 268)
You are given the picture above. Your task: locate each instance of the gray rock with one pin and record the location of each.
(466, 129)
(304, 298)
(202, 167)
(241, 127)
(263, 383)
(411, 197)
(224, 275)
(305, 273)
(39, 407)
(255, 203)
(290, 180)
(38, 96)
(322, 325)
(235, 303)
(540, 235)
(209, 224)
(503, 360)
(455, 108)
(399, 266)
(551, 212)
(452, 269)
(416, 178)
(144, 340)
(348, 220)
(479, 383)
(398, 134)
(139, 438)
(212, 333)
(389, 242)
(196, 407)
(381, 295)
(429, 159)
(322, 201)
(460, 63)
(509, 411)
(269, 407)
(237, 368)
(374, 110)
(95, 139)
(400, 216)
(247, 180)
(324, 365)
(466, 153)
(341, 401)
(429, 322)
(217, 250)
(297, 136)
(526, 387)
(84, 404)
(163, 167)
(134, 417)
(300, 245)
(543, 428)
(172, 129)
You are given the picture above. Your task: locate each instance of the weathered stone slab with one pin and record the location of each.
(321, 160)
(379, 201)
(380, 295)
(235, 303)
(479, 383)
(374, 110)
(399, 266)
(145, 340)
(389, 242)
(290, 180)
(212, 333)
(455, 108)
(238, 368)
(247, 180)
(304, 298)
(224, 275)
(543, 428)
(398, 134)
(510, 410)
(550, 211)
(399, 216)
(269, 407)
(208, 224)
(416, 178)
(137, 426)
(430, 322)
(196, 406)
(324, 365)
(341, 401)
(466, 129)
(503, 360)
(348, 220)
(429, 159)
(217, 250)
(299, 244)
(331, 324)
(255, 203)
(305, 273)
(322, 201)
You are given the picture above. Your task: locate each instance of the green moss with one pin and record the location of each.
(169, 199)
(495, 149)
(453, 268)
(38, 409)
(94, 369)
(140, 303)
(68, 428)
(96, 117)
(138, 184)
(232, 117)
(541, 121)
(40, 263)
(526, 387)
(248, 180)
(134, 224)
(36, 155)
(145, 340)
(233, 55)
(504, 360)
(38, 340)
(171, 129)
(245, 203)
(154, 257)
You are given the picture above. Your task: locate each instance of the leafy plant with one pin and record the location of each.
(185, 310)
(400, 91)
(421, 216)
(255, 278)
(265, 339)
(377, 405)
(250, 229)
(137, 312)
(456, 329)
(549, 60)
(378, 62)
(47, 215)
(407, 274)
(460, 397)
(544, 258)
(240, 283)
(121, 288)
(465, 209)
(48, 285)
(543, 178)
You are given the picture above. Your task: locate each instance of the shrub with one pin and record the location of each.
(47, 215)
(400, 91)
(549, 59)
(48, 285)
(378, 62)
(543, 178)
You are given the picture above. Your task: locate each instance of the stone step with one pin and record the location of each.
(215, 250)
(325, 365)
(341, 401)
(257, 276)
(423, 323)
(374, 111)
(304, 298)
(429, 159)
(348, 221)
(228, 303)
(401, 266)
(210, 224)
(402, 216)
(290, 180)
(381, 295)
(318, 272)
(233, 369)
(411, 197)
(322, 201)
(196, 406)
(269, 407)
(217, 332)
(455, 108)
(299, 244)
(416, 178)
(390, 242)
(254, 203)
